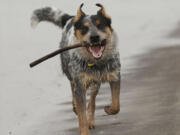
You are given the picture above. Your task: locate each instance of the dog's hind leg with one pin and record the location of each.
(73, 100)
(91, 106)
(80, 99)
(115, 93)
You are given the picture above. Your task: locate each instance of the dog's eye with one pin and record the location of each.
(84, 30)
(100, 26)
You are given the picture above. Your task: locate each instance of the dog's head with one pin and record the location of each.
(94, 30)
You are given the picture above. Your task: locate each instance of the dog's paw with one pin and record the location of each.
(91, 125)
(111, 111)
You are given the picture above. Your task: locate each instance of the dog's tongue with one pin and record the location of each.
(96, 51)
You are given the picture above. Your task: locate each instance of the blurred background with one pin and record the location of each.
(38, 101)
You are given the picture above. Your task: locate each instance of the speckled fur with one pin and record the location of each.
(75, 62)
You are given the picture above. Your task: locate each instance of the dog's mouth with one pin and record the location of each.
(97, 49)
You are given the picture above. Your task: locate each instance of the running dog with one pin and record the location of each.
(87, 67)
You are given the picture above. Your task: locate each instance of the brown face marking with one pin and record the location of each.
(101, 22)
(108, 30)
(78, 34)
(86, 24)
(81, 27)
(97, 22)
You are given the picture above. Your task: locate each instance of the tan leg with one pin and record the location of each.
(91, 106)
(73, 100)
(80, 99)
(115, 93)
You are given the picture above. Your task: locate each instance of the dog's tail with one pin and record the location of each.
(49, 14)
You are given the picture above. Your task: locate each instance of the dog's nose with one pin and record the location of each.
(94, 39)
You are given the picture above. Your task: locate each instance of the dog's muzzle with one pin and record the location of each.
(97, 48)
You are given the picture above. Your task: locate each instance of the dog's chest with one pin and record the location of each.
(88, 78)
(88, 72)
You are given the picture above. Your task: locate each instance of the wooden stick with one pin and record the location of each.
(50, 55)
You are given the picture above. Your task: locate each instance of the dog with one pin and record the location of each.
(87, 67)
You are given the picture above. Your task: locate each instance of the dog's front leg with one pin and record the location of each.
(80, 99)
(73, 100)
(115, 93)
(91, 106)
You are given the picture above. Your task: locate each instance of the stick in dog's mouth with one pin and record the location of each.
(50, 55)
(96, 51)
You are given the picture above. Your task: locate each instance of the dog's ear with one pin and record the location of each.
(102, 11)
(80, 13)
